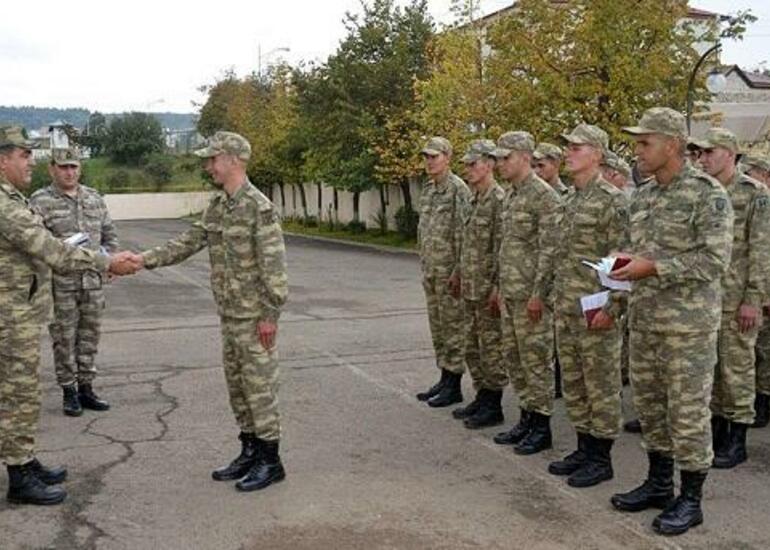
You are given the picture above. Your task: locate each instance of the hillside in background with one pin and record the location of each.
(33, 118)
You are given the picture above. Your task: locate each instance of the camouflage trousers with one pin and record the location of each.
(528, 350)
(672, 376)
(251, 373)
(590, 371)
(445, 316)
(483, 351)
(75, 332)
(735, 374)
(762, 351)
(20, 392)
(624, 349)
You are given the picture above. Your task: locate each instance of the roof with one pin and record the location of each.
(752, 79)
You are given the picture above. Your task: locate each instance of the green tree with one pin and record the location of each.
(132, 137)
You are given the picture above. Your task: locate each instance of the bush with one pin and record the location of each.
(310, 221)
(118, 180)
(381, 221)
(40, 177)
(356, 227)
(406, 222)
(160, 169)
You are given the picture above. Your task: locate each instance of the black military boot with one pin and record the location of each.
(24, 487)
(489, 414)
(735, 451)
(572, 461)
(435, 388)
(240, 466)
(89, 400)
(518, 432)
(720, 434)
(633, 426)
(539, 436)
(597, 467)
(450, 394)
(685, 511)
(657, 491)
(266, 471)
(471, 408)
(49, 476)
(762, 408)
(71, 404)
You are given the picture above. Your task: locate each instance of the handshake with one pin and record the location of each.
(126, 263)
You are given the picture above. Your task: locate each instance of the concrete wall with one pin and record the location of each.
(147, 206)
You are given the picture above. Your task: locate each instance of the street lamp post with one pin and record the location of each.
(714, 82)
(268, 54)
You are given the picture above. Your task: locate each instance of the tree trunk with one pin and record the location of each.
(356, 197)
(383, 210)
(406, 191)
(320, 201)
(336, 207)
(283, 198)
(303, 200)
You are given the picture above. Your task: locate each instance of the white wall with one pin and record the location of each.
(147, 206)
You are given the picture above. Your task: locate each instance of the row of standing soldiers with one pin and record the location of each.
(503, 276)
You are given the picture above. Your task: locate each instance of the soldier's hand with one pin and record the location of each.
(602, 321)
(125, 263)
(267, 331)
(748, 317)
(455, 284)
(494, 303)
(535, 310)
(637, 268)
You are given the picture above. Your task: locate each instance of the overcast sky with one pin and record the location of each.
(153, 55)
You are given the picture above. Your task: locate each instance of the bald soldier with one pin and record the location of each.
(27, 254)
(744, 291)
(680, 245)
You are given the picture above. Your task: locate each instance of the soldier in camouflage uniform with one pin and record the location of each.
(478, 259)
(530, 215)
(547, 163)
(242, 231)
(680, 244)
(617, 171)
(27, 254)
(594, 225)
(67, 208)
(744, 292)
(444, 208)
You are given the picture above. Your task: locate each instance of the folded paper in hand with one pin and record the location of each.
(592, 304)
(603, 269)
(78, 239)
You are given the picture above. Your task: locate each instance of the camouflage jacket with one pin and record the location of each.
(480, 244)
(686, 228)
(529, 218)
(64, 216)
(246, 250)
(746, 277)
(443, 209)
(594, 225)
(27, 253)
(560, 187)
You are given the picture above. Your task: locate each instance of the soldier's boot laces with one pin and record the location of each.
(489, 414)
(435, 388)
(598, 465)
(89, 400)
(518, 432)
(70, 402)
(240, 466)
(450, 394)
(24, 487)
(734, 452)
(539, 436)
(685, 511)
(762, 408)
(572, 461)
(49, 476)
(266, 471)
(471, 408)
(633, 426)
(657, 491)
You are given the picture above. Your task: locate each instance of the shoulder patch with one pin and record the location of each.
(720, 204)
(762, 202)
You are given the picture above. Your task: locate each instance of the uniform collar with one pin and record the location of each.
(9, 188)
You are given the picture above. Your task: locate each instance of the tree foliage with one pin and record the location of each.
(130, 138)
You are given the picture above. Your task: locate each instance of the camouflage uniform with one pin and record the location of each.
(762, 350)
(551, 151)
(443, 210)
(249, 282)
(78, 297)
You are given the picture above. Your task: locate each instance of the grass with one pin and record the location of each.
(371, 236)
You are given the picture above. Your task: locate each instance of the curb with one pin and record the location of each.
(354, 244)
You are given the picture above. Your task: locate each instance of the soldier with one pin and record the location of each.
(242, 231)
(444, 207)
(594, 225)
(743, 294)
(478, 259)
(27, 252)
(680, 241)
(616, 171)
(548, 159)
(67, 208)
(530, 216)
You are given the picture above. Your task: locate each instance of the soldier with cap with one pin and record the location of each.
(530, 216)
(444, 207)
(617, 171)
(680, 244)
(478, 259)
(67, 208)
(27, 253)
(756, 167)
(242, 231)
(547, 158)
(594, 225)
(744, 291)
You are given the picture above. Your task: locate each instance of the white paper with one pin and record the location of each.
(78, 239)
(594, 301)
(603, 269)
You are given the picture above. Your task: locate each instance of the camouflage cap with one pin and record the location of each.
(548, 151)
(660, 120)
(13, 136)
(752, 161)
(226, 143)
(65, 157)
(479, 149)
(588, 134)
(614, 161)
(437, 145)
(514, 141)
(717, 137)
